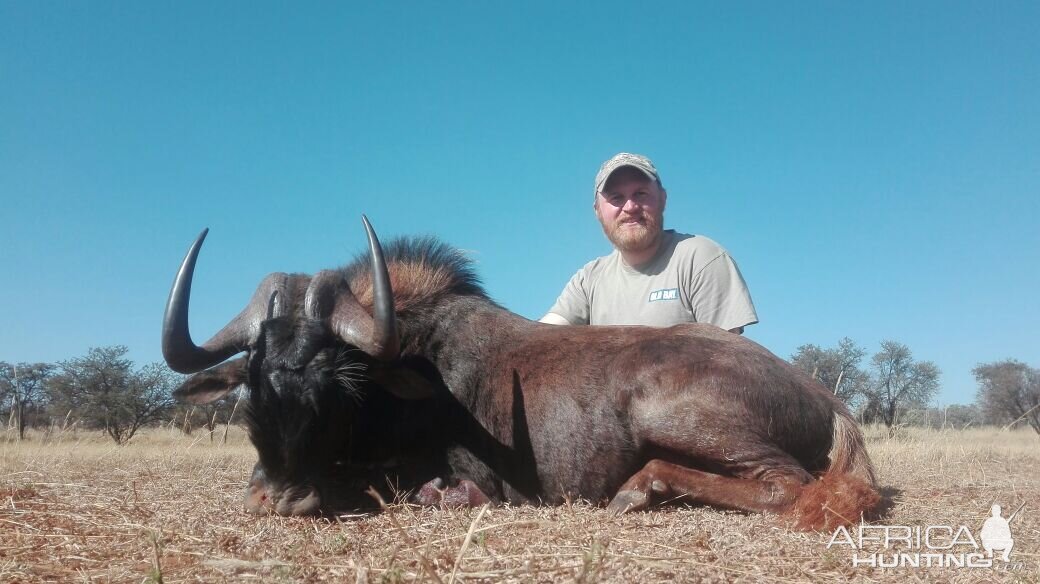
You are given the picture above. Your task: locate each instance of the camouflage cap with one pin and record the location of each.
(625, 159)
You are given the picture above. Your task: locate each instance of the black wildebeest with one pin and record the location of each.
(344, 363)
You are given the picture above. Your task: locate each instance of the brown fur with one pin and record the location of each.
(413, 282)
(845, 492)
(842, 494)
(832, 500)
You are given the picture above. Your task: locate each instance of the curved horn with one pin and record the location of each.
(329, 295)
(384, 335)
(180, 352)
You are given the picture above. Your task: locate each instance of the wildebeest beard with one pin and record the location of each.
(324, 430)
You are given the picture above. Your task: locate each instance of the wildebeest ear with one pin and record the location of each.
(403, 382)
(213, 383)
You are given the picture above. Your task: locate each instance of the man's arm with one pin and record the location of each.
(720, 296)
(572, 307)
(553, 318)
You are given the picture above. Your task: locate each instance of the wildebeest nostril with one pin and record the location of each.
(258, 500)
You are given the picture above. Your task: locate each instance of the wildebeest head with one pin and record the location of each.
(307, 341)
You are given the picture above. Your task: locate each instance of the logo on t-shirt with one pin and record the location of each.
(664, 294)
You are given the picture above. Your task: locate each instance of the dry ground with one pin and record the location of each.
(76, 508)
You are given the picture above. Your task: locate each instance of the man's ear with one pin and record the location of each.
(212, 384)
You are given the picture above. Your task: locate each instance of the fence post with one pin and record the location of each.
(19, 405)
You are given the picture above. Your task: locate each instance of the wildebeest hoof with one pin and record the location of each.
(429, 495)
(464, 494)
(627, 501)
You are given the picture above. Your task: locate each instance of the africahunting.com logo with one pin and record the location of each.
(938, 546)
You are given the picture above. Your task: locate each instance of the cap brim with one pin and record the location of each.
(602, 183)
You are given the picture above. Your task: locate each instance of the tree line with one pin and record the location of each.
(893, 388)
(104, 390)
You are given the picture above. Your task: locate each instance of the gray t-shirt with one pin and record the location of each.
(692, 279)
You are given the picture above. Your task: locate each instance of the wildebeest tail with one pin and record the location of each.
(843, 494)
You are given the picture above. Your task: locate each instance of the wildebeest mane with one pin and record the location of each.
(421, 269)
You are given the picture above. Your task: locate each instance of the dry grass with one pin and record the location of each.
(76, 508)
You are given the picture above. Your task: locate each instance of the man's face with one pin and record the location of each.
(631, 210)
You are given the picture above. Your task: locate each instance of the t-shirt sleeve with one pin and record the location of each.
(719, 295)
(573, 303)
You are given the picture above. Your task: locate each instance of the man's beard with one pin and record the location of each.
(630, 236)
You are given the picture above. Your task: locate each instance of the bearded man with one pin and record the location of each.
(654, 276)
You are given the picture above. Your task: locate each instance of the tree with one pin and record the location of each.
(957, 416)
(22, 390)
(1009, 392)
(897, 383)
(962, 416)
(104, 390)
(837, 369)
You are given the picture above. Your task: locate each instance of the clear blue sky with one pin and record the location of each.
(874, 169)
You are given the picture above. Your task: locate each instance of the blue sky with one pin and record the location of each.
(875, 170)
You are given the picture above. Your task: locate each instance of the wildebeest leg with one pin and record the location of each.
(660, 479)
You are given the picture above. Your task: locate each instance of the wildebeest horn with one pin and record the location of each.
(329, 296)
(180, 352)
